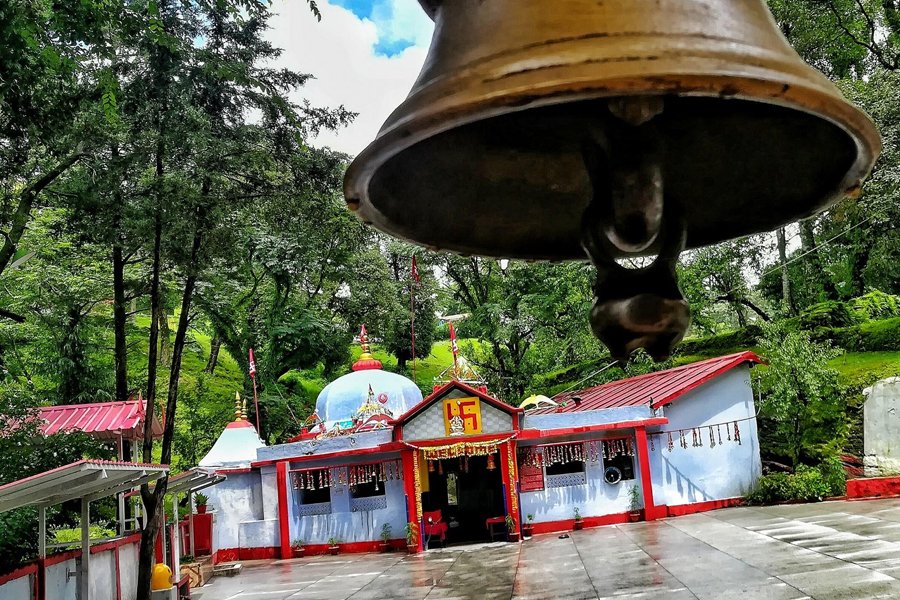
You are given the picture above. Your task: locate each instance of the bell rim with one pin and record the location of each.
(399, 136)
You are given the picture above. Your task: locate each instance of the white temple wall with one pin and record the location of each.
(594, 498)
(881, 428)
(702, 474)
(234, 501)
(345, 524)
(269, 482)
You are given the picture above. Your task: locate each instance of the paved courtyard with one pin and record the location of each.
(825, 551)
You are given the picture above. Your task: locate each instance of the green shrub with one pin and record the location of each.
(97, 532)
(828, 314)
(716, 345)
(809, 484)
(874, 306)
(874, 336)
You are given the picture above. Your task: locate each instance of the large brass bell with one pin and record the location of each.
(544, 129)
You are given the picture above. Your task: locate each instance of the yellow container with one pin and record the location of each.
(161, 579)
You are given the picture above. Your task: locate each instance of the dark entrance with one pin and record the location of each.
(465, 497)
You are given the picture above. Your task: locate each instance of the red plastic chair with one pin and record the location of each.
(435, 526)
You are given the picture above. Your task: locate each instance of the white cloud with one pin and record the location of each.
(340, 52)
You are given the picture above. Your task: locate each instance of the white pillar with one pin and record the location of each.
(122, 525)
(84, 574)
(176, 539)
(42, 532)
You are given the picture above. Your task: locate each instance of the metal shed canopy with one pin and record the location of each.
(86, 479)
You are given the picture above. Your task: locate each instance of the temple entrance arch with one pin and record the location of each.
(467, 492)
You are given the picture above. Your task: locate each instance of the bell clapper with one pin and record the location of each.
(633, 308)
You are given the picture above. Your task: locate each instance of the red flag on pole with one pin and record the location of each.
(252, 365)
(415, 271)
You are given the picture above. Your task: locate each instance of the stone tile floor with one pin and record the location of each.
(825, 551)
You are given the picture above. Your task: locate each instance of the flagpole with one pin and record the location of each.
(252, 360)
(412, 316)
(413, 280)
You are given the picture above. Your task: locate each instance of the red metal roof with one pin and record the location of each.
(104, 420)
(653, 389)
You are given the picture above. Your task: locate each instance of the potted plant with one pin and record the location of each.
(201, 500)
(511, 534)
(579, 522)
(412, 537)
(385, 544)
(634, 504)
(297, 548)
(333, 546)
(528, 526)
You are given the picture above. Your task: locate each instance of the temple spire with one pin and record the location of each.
(366, 360)
(238, 413)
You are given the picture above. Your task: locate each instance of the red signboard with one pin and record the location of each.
(531, 478)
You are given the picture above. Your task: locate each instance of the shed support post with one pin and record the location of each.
(121, 495)
(84, 574)
(176, 538)
(42, 532)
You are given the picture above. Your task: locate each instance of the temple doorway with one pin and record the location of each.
(467, 493)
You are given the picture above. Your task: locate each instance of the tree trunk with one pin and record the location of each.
(26, 201)
(786, 296)
(814, 261)
(151, 505)
(165, 338)
(214, 346)
(119, 322)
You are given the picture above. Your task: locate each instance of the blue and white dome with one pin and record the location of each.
(341, 398)
(339, 402)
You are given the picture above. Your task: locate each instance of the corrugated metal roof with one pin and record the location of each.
(104, 420)
(93, 479)
(654, 389)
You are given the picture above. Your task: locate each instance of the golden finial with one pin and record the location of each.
(364, 344)
(244, 411)
(238, 415)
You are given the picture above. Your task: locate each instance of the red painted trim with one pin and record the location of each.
(442, 391)
(873, 487)
(697, 507)
(382, 449)
(284, 526)
(55, 559)
(643, 451)
(569, 524)
(509, 482)
(535, 434)
(118, 574)
(234, 471)
(409, 487)
(134, 538)
(29, 569)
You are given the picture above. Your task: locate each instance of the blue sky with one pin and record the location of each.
(399, 22)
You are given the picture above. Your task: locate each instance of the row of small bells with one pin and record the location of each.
(353, 475)
(714, 432)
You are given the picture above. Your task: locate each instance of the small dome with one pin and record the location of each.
(236, 447)
(343, 397)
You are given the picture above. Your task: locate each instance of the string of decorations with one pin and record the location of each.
(316, 479)
(617, 447)
(486, 448)
(708, 436)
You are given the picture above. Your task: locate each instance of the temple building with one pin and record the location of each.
(460, 465)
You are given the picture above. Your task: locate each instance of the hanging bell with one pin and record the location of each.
(547, 129)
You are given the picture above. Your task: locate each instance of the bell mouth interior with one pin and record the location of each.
(516, 185)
